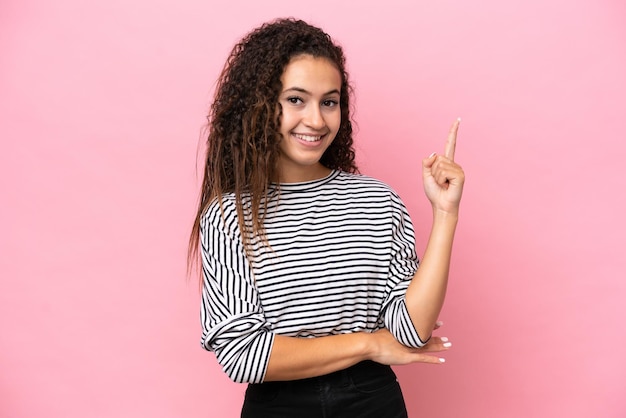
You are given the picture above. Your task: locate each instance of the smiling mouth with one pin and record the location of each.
(309, 138)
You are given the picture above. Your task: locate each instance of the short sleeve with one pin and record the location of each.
(403, 265)
(233, 323)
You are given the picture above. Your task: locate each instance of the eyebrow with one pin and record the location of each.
(301, 90)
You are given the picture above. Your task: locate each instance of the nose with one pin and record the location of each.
(314, 118)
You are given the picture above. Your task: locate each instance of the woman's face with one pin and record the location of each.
(311, 116)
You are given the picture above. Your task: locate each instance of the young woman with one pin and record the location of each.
(310, 279)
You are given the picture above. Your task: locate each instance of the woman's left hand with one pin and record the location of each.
(443, 178)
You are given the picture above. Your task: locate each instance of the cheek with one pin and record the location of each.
(337, 121)
(286, 120)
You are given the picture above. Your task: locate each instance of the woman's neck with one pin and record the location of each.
(303, 174)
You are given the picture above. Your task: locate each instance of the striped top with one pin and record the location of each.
(342, 255)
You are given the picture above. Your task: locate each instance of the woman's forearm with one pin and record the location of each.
(298, 358)
(426, 293)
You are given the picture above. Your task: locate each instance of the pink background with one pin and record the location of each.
(101, 108)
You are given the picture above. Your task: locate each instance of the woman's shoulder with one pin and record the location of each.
(358, 180)
(220, 212)
(368, 188)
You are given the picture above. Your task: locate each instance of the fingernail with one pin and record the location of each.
(447, 345)
(442, 360)
(459, 119)
(439, 323)
(444, 339)
(430, 156)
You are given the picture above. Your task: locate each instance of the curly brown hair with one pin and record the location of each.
(244, 122)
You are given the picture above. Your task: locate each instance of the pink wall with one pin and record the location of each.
(101, 107)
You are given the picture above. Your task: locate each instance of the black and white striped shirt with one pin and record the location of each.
(342, 255)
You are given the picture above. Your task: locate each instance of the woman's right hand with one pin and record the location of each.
(387, 350)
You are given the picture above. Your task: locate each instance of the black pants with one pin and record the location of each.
(367, 389)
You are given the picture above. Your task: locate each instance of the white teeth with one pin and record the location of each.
(308, 138)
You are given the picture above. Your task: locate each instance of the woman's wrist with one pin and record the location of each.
(445, 216)
(367, 347)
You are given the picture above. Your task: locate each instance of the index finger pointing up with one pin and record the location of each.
(451, 143)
